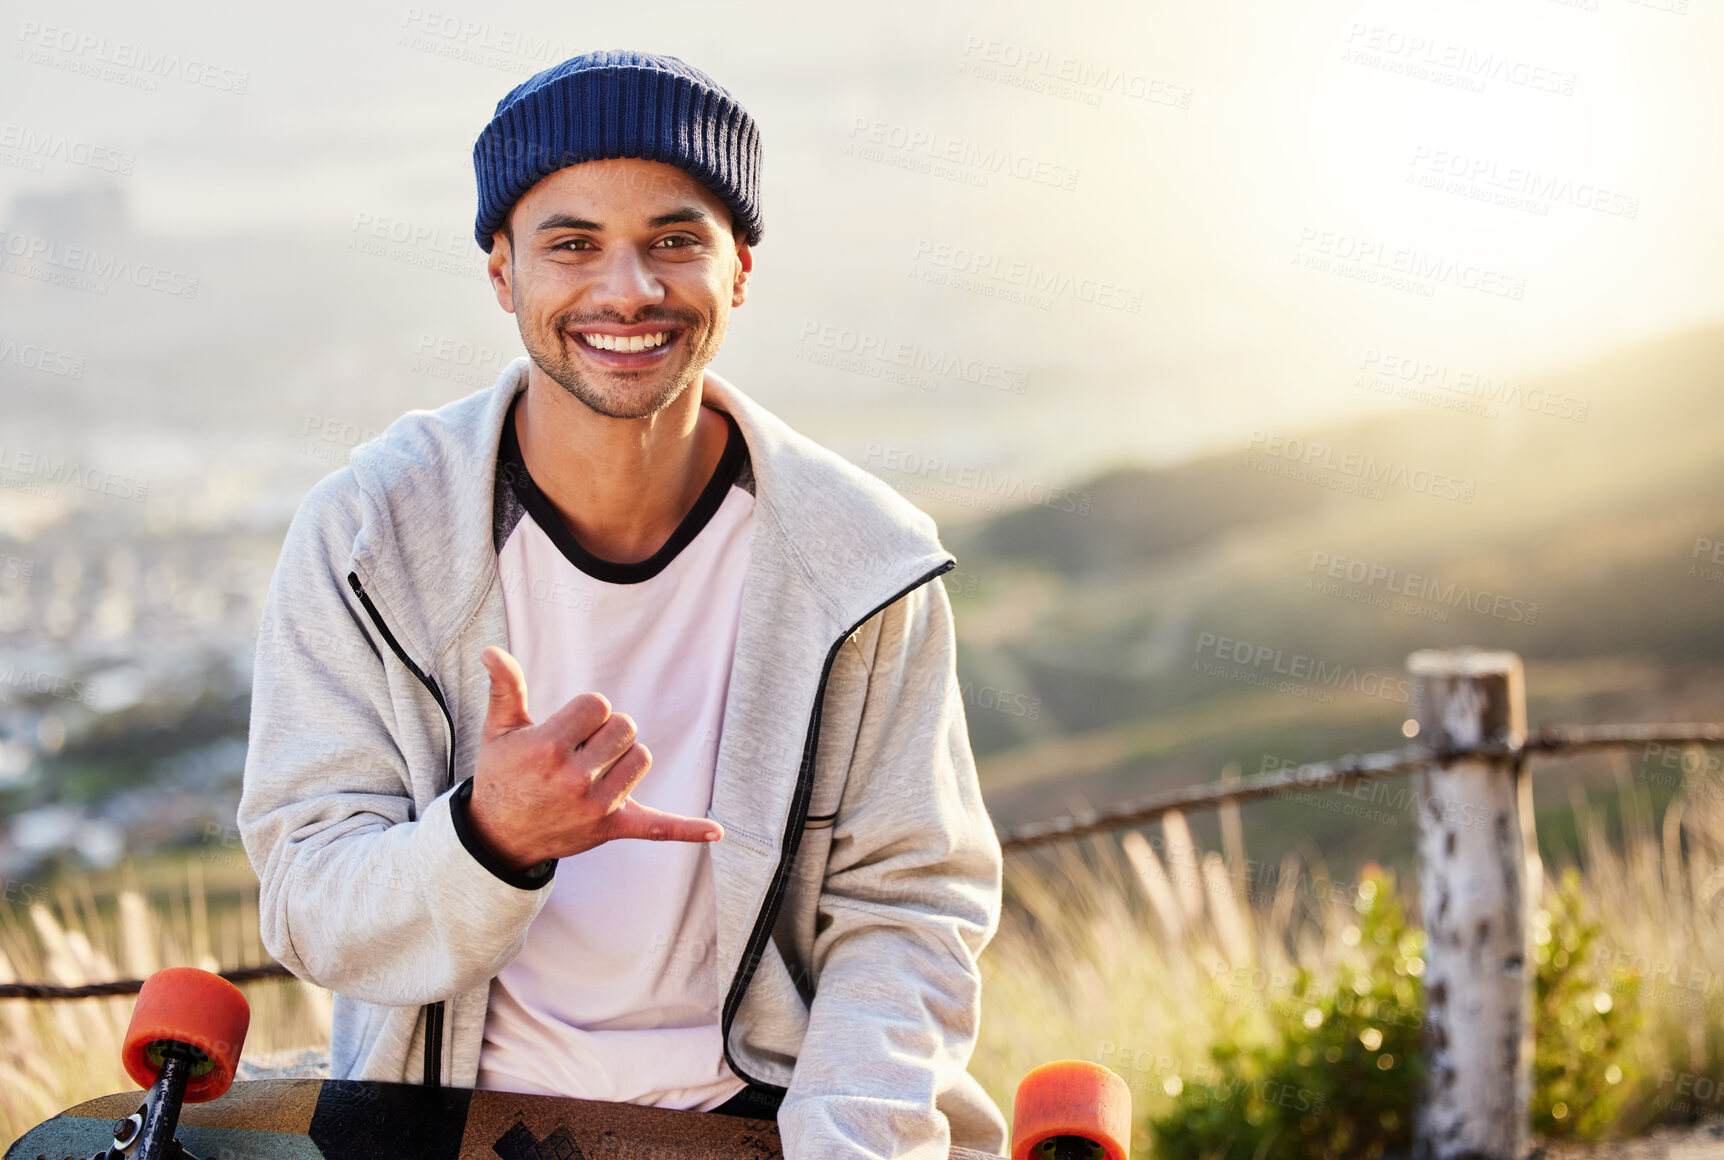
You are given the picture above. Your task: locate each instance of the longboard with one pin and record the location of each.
(330, 1119)
(183, 1047)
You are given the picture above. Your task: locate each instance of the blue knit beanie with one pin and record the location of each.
(618, 104)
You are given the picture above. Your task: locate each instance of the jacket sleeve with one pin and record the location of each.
(356, 895)
(911, 896)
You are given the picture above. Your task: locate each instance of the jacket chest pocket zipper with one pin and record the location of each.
(754, 947)
(434, 1012)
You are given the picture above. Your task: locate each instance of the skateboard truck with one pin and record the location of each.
(1069, 1148)
(183, 1046)
(148, 1133)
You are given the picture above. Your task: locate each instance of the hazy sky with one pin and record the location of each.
(1540, 176)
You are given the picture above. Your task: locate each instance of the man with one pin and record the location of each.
(731, 855)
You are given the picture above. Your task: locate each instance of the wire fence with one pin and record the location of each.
(1551, 741)
(129, 986)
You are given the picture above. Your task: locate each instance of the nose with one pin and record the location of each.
(625, 282)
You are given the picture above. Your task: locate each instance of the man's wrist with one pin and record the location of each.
(531, 878)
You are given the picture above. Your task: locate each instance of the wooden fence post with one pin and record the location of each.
(1479, 875)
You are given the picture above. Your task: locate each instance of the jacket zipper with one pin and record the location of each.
(433, 1011)
(756, 945)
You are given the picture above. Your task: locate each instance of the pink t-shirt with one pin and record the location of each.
(615, 995)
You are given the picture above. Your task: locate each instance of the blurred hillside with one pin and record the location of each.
(1585, 547)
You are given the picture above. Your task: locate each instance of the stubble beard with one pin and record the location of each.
(564, 367)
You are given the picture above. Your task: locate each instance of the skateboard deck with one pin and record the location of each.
(183, 1048)
(324, 1119)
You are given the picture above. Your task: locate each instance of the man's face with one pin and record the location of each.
(614, 251)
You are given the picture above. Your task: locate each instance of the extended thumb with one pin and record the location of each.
(507, 708)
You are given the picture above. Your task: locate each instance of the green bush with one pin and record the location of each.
(1339, 1071)
(1584, 1014)
(1338, 1074)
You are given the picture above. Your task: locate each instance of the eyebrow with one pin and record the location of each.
(563, 221)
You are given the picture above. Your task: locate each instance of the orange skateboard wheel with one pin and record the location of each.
(193, 1007)
(1071, 1108)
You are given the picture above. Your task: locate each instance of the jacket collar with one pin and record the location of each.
(425, 548)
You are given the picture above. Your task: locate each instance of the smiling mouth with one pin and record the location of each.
(629, 350)
(626, 344)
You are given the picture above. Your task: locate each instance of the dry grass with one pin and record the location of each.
(56, 1054)
(1659, 893)
(1113, 952)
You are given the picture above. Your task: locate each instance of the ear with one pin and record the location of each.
(500, 268)
(745, 266)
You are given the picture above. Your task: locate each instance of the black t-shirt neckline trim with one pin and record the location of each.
(513, 469)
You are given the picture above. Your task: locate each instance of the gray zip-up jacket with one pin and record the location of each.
(858, 877)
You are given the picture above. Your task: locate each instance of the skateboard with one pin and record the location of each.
(183, 1047)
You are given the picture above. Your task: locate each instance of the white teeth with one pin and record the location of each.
(637, 342)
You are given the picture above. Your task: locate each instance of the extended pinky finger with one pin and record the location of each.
(655, 825)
